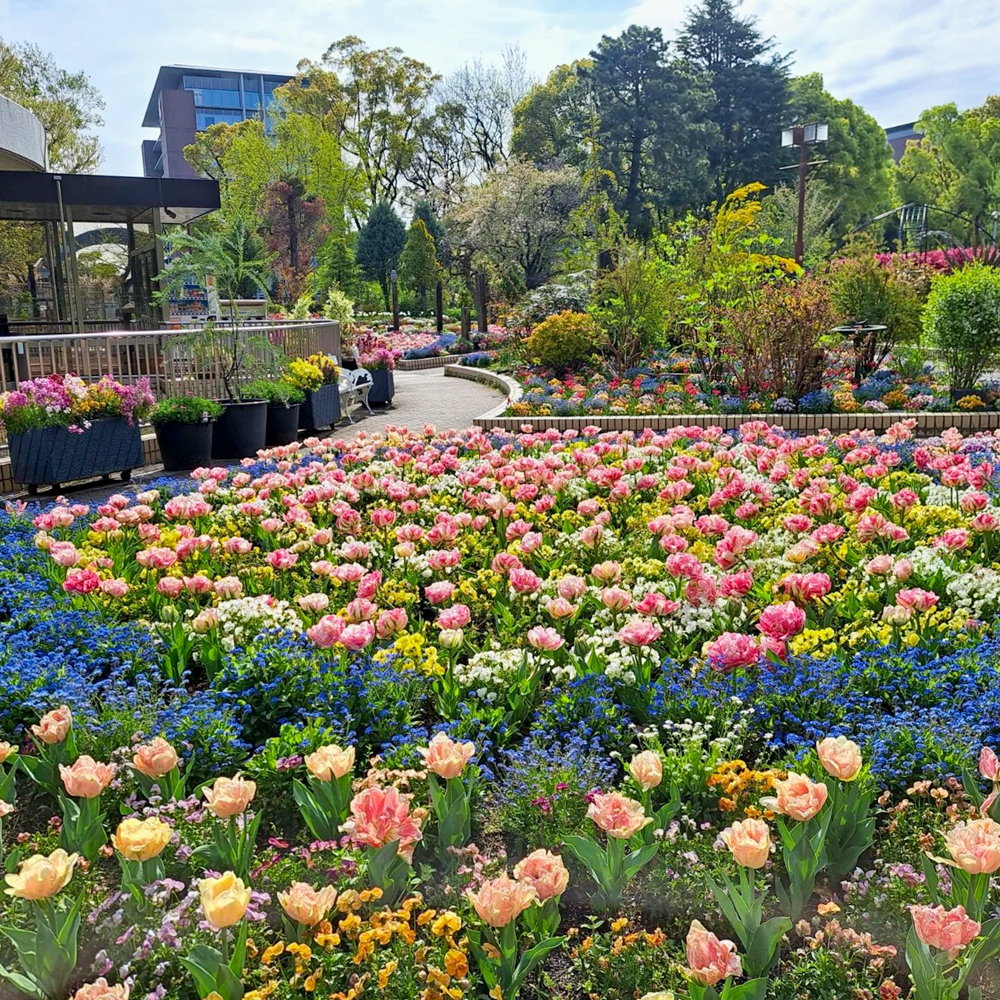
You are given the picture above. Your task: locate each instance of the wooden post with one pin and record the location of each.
(439, 307)
(482, 291)
(394, 288)
(466, 321)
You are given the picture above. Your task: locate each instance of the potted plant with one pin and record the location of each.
(962, 319)
(232, 257)
(61, 428)
(283, 402)
(318, 376)
(374, 354)
(184, 431)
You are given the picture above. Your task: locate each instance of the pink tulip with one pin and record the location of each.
(169, 586)
(989, 764)
(782, 621)
(616, 598)
(917, 600)
(546, 639)
(710, 960)
(356, 636)
(438, 593)
(947, 930)
(326, 632)
(544, 872)
(523, 581)
(806, 587)
(571, 588)
(731, 650)
(639, 632)
(559, 608)
(391, 623)
(282, 559)
(381, 816)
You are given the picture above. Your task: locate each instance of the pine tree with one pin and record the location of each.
(380, 243)
(418, 264)
(750, 84)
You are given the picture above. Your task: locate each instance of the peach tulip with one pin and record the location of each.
(330, 762)
(155, 759)
(380, 816)
(617, 815)
(647, 769)
(54, 726)
(840, 757)
(975, 845)
(141, 839)
(946, 930)
(101, 990)
(41, 877)
(7, 751)
(307, 905)
(797, 796)
(749, 840)
(229, 796)
(86, 778)
(224, 899)
(709, 959)
(503, 899)
(545, 872)
(445, 757)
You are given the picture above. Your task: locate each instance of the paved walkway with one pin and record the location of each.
(425, 397)
(422, 397)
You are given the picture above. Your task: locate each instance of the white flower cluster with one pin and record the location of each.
(487, 673)
(977, 591)
(245, 618)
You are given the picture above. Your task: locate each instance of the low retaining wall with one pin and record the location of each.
(928, 424)
(420, 364)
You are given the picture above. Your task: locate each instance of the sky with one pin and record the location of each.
(894, 57)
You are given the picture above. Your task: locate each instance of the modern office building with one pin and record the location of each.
(899, 135)
(187, 99)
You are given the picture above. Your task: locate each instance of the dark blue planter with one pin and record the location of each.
(383, 386)
(321, 408)
(52, 455)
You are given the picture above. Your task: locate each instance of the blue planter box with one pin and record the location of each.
(321, 408)
(383, 386)
(52, 455)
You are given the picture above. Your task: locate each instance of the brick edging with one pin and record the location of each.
(419, 364)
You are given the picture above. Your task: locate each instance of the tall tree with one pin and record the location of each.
(424, 210)
(67, 104)
(514, 224)
(654, 130)
(380, 244)
(418, 266)
(956, 167)
(486, 94)
(376, 103)
(858, 172)
(548, 122)
(293, 226)
(750, 87)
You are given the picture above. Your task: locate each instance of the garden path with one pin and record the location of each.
(422, 397)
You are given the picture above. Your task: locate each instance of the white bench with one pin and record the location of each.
(354, 389)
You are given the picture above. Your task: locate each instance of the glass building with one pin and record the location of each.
(187, 99)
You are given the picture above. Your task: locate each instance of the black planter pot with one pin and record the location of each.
(52, 455)
(321, 408)
(184, 446)
(282, 424)
(241, 431)
(957, 394)
(383, 386)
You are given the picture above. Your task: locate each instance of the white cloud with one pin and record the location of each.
(895, 57)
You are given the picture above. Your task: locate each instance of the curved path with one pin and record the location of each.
(425, 397)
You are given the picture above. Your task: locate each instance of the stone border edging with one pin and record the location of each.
(503, 383)
(928, 424)
(419, 364)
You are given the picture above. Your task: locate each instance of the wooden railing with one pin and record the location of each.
(176, 362)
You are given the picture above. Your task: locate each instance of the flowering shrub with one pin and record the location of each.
(69, 401)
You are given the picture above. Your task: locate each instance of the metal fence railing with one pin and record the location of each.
(176, 362)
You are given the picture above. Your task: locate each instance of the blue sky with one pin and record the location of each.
(895, 57)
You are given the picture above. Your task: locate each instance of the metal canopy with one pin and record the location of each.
(27, 196)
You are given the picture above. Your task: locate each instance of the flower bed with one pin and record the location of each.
(589, 657)
(671, 384)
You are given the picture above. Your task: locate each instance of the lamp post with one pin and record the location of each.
(803, 136)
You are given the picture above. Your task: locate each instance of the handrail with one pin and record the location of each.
(184, 331)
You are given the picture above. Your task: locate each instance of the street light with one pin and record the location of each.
(803, 136)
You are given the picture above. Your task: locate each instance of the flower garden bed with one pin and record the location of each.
(419, 706)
